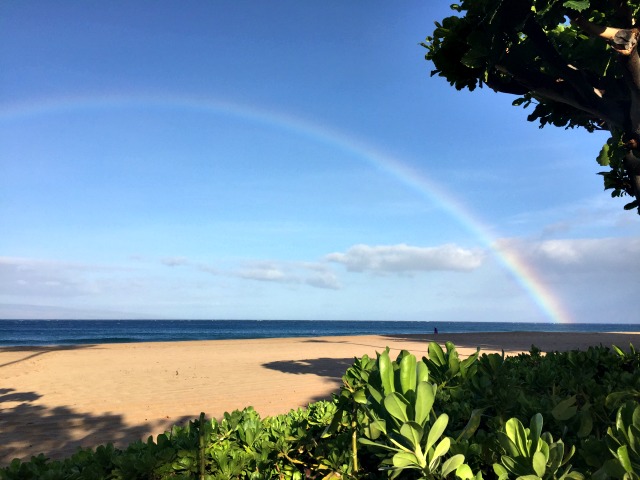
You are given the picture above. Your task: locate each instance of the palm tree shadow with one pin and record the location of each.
(32, 352)
(28, 428)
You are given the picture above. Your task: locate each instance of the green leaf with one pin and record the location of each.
(619, 351)
(565, 409)
(539, 463)
(507, 444)
(377, 427)
(437, 429)
(386, 373)
(635, 418)
(451, 348)
(463, 471)
(468, 362)
(436, 355)
(453, 463)
(574, 476)
(510, 464)
(569, 454)
(500, 471)
(578, 5)
(472, 425)
(555, 455)
(516, 433)
(623, 457)
(413, 433)
(586, 424)
(615, 398)
(535, 429)
(366, 441)
(604, 155)
(408, 373)
(611, 468)
(422, 372)
(441, 449)
(405, 460)
(360, 397)
(396, 405)
(425, 396)
(454, 361)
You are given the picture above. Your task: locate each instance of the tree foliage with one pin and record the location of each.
(574, 62)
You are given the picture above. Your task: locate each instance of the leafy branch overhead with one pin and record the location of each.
(575, 62)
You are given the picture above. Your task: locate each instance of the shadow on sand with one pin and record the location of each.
(32, 352)
(333, 368)
(28, 428)
(330, 368)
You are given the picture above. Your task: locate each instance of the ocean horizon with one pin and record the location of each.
(78, 332)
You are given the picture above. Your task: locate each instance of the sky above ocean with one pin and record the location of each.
(286, 160)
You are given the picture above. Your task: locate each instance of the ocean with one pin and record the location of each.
(77, 332)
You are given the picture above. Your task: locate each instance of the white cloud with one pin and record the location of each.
(29, 277)
(405, 258)
(267, 273)
(300, 273)
(175, 261)
(313, 274)
(324, 280)
(583, 216)
(599, 255)
(209, 269)
(595, 279)
(26, 312)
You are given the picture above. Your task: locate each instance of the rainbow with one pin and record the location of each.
(522, 272)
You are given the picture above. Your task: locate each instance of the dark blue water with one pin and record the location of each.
(74, 332)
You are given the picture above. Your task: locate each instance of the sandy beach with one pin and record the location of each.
(54, 399)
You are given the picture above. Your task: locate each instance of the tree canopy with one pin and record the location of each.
(574, 62)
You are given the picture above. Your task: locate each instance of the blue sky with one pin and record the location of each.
(286, 160)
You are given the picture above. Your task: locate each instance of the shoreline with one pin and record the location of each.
(56, 398)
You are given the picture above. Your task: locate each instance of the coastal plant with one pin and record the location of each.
(350, 413)
(402, 422)
(446, 369)
(623, 442)
(529, 454)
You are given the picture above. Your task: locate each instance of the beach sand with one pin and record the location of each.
(55, 399)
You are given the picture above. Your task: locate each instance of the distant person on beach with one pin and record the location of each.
(435, 330)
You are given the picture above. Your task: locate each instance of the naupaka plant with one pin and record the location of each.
(529, 454)
(402, 420)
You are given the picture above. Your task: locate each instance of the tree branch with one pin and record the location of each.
(548, 51)
(622, 40)
(584, 95)
(606, 33)
(632, 63)
(625, 43)
(546, 87)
